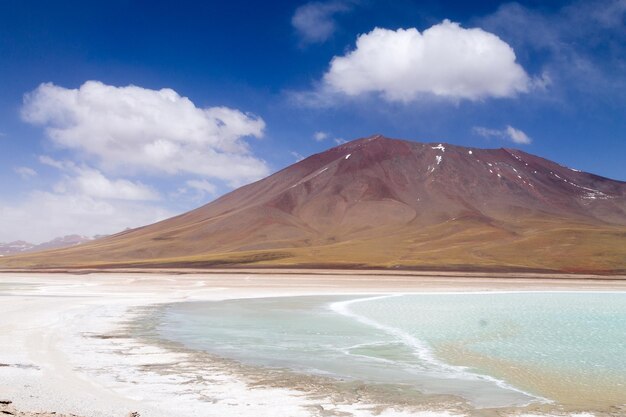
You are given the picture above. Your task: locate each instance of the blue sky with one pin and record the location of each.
(115, 114)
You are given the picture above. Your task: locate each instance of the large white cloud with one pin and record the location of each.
(138, 130)
(116, 135)
(445, 60)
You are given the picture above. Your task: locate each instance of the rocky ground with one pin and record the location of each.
(7, 409)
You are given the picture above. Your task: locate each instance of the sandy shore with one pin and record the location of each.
(62, 349)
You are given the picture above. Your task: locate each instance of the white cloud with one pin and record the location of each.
(25, 172)
(315, 22)
(93, 183)
(445, 61)
(61, 165)
(138, 130)
(114, 135)
(204, 186)
(320, 136)
(44, 215)
(196, 190)
(508, 133)
(84, 180)
(84, 201)
(486, 132)
(518, 136)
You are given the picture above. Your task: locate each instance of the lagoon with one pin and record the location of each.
(493, 349)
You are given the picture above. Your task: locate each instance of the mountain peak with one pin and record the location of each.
(384, 202)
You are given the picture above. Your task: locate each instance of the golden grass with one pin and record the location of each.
(533, 244)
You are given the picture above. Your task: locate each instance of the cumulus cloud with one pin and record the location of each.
(116, 135)
(320, 136)
(84, 180)
(508, 133)
(340, 141)
(315, 21)
(446, 61)
(25, 172)
(137, 130)
(45, 215)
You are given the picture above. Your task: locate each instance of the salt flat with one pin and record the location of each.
(62, 348)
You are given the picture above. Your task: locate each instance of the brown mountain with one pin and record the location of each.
(379, 202)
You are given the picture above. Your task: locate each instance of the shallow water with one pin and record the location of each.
(493, 349)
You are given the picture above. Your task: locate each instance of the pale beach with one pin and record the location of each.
(72, 343)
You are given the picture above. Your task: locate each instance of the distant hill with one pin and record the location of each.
(379, 202)
(20, 246)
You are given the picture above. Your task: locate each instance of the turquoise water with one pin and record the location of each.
(493, 349)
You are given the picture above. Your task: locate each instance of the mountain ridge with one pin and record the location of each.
(21, 246)
(388, 203)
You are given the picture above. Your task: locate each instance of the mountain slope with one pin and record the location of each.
(381, 202)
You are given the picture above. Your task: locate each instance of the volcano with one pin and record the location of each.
(385, 203)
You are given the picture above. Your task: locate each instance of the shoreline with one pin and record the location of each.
(51, 322)
(314, 271)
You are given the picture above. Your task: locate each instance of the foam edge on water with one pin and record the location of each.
(421, 350)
